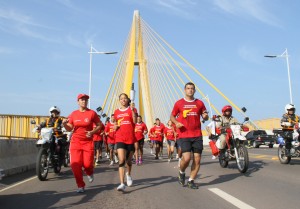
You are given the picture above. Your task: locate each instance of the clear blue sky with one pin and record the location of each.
(44, 46)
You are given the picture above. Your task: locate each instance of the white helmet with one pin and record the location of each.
(54, 108)
(288, 107)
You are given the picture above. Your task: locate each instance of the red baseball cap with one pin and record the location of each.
(80, 96)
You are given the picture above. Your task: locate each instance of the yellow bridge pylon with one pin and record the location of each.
(161, 74)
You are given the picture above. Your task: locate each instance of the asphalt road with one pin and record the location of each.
(267, 184)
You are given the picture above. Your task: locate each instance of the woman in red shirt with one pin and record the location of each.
(170, 135)
(81, 147)
(125, 122)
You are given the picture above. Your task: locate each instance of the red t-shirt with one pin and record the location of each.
(82, 122)
(97, 136)
(169, 132)
(125, 132)
(159, 131)
(189, 113)
(139, 130)
(109, 129)
(151, 132)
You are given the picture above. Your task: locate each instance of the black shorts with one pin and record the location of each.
(98, 145)
(141, 142)
(127, 147)
(194, 145)
(159, 143)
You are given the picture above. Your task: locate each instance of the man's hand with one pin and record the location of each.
(65, 121)
(179, 125)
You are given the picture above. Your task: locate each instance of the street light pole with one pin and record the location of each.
(91, 52)
(285, 55)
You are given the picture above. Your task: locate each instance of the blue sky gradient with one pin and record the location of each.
(44, 46)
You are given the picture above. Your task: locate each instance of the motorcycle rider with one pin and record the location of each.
(55, 122)
(289, 120)
(222, 123)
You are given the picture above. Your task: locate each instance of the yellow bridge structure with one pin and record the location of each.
(160, 73)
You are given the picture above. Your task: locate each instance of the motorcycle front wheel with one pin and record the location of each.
(67, 158)
(243, 158)
(42, 164)
(222, 160)
(283, 159)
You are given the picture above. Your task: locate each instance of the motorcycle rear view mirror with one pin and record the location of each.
(32, 122)
(243, 109)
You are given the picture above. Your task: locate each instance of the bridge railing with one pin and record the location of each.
(19, 126)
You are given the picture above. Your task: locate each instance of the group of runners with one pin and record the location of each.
(124, 136)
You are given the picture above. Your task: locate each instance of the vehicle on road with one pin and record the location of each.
(256, 138)
(288, 134)
(237, 150)
(48, 158)
(1, 173)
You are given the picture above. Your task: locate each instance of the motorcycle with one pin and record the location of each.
(48, 156)
(285, 134)
(235, 146)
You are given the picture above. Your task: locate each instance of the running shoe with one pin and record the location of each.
(140, 161)
(121, 187)
(97, 162)
(191, 184)
(116, 159)
(151, 152)
(137, 162)
(213, 157)
(107, 155)
(129, 180)
(91, 178)
(111, 163)
(181, 178)
(177, 156)
(156, 158)
(169, 160)
(80, 190)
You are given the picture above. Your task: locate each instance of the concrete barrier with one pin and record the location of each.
(17, 155)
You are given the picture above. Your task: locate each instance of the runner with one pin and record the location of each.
(81, 147)
(125, 121)
(110, 134)
(170, 135)
(159, 131)
(188, 111)
(140, 132)
(152, 137)
(105, 142)
(98, 141)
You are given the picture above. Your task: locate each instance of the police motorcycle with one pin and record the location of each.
(288, 133)
(50, 151)
(235, 145)
(66, 148)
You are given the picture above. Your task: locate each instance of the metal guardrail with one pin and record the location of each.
(19, 126)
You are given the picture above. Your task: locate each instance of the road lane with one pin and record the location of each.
(265, 185)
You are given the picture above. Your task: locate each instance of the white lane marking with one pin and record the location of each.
(21, 182)
(236, 202)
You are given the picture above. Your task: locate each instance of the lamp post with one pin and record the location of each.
(91, 52)
(285, 55)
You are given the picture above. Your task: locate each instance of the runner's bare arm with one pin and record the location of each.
(178, 124)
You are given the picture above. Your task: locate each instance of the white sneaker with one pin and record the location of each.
(107, 155)
(213, 157)
(151, 152)
(91, 178)
(169, 160)
(121, 187)
(111, 163)
(80, 190)
(177, 156)
(129, 180)
(116, 159)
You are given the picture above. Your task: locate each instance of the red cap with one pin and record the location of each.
(80, 96)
